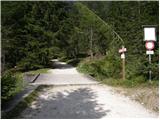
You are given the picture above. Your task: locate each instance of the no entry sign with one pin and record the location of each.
(149, 45)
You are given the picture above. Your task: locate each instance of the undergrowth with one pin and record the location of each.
(109, 72)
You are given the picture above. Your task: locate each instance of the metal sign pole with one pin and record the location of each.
(123, 64)
(123, 68)
(150, 72)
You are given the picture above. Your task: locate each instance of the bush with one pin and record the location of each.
(86, 67)
(145, 70)
(103, 68)
(29, 64)
(11, 84)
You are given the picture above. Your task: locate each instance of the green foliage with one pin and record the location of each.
(33, 38)
(35, 32)
(126, 18)
(134, 82)
(11, 84)
(44, 70)
(103, 68)
(28, 64)
(125, 83)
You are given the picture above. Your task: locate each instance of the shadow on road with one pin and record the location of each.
(77, 104)
(60, 65)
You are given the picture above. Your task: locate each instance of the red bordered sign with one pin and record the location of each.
(122, 50)
(149, 45)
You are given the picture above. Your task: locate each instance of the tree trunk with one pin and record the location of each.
(91, 44)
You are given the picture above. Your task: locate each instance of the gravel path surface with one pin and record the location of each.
(86, 99)
(64, 74)
(84, 102)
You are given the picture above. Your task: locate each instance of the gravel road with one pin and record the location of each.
(64, 74)
(82, 101)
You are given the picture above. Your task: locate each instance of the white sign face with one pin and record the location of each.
(150, 34)
(150, 52)
(122, 55)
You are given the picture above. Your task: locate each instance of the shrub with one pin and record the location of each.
(102, 68)
(29, 64)
(11, 84)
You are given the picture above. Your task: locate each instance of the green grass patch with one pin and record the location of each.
(44, 70)
(103, 71)
(20, 84)
(135, 82)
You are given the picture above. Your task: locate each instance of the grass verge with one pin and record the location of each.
(146, 96)
(130, 83)
(20, 84)
(44, 70)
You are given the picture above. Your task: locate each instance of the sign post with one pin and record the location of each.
(123, 68)
(122, 52)
(149, 38)
(150, 72)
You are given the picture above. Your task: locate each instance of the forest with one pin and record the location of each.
(85, 34)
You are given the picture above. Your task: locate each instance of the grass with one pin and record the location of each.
(130, 83)
(20, 84)
(147, 94)
(104, 74)
(44, 70)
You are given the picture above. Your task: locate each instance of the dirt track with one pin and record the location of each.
(82, 101)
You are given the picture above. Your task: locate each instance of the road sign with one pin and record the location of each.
(149, 33)
(122, 50)
(149, 45)
(151, 52)
(150, 38)
(123, 56)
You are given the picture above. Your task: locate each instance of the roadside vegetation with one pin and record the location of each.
(74, 30)
(137, 87)
(12, 83)
(109, 72)
(44, 70)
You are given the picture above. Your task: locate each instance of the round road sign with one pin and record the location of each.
(149, 45)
